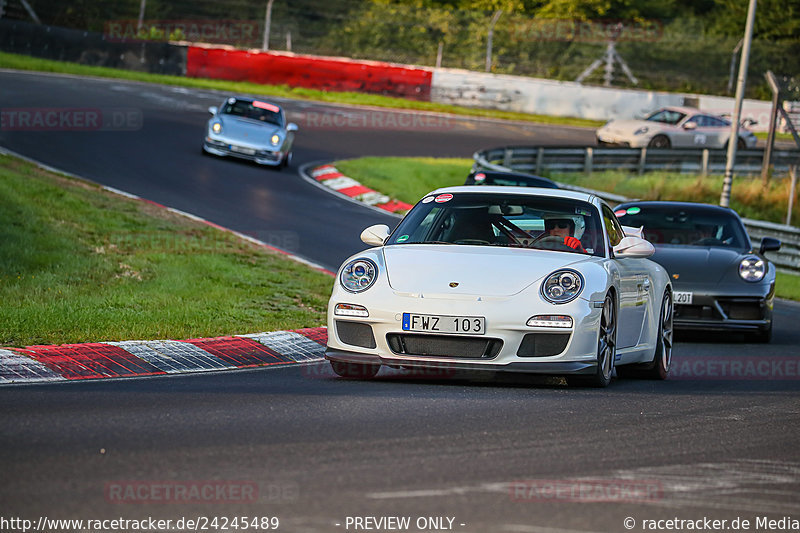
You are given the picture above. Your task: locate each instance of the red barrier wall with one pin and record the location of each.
(314, 72)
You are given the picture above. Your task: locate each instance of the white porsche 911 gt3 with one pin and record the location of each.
(503, 279)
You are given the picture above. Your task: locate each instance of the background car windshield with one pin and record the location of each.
(685, 227)
(503, 220)
(507, 179)
(666, 116)
(246, 109)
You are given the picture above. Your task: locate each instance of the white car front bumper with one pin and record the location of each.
(508, 343)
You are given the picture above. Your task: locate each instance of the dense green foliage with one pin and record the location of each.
(677, 45)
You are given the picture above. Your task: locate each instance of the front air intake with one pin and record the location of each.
(355, 334)
(543, 344)
(444, 346)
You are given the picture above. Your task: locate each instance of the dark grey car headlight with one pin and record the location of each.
(752, 268)
(562, 286)
(359, 275)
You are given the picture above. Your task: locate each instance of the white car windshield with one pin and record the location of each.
(505, 220)
(666, 116)
(259, 111)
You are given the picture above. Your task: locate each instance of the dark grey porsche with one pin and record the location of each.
(721, 281)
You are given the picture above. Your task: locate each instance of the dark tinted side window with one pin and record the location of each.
(613, 227)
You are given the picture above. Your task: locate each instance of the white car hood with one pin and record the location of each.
(247, 131)
(629, 126)
(429, 269)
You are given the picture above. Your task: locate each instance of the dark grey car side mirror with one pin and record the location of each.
(769, 244)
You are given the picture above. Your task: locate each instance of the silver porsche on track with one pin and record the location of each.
(674, 127)
(250, 129)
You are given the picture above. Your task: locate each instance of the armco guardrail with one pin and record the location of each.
(788, 257)
(538, 159)
(512, 158)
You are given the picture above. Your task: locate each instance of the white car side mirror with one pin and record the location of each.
(634, 247)
(690, 126)
(375, 235)
(213, 110)
(630, 231)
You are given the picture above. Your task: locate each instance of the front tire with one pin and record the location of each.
(763, 336)
(606, 349)
(355, 370)
(286, 161)
(659, 141)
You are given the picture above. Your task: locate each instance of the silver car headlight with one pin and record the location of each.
(562, 286)
(752, 269)
(641, 131)
(216, 127)
(358, 275)
(275, 139)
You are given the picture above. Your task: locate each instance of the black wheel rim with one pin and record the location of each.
(606, 345)
(666, 332)
(659, 142)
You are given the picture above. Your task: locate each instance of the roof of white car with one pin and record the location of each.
(686, 110)
(529, 191)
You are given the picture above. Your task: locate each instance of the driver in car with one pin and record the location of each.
(564, 228)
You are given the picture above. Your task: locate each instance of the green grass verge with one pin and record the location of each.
(406, 178)
(21, 62)
(787, 286)
(778, 136)
(79, 264)
(749, 197)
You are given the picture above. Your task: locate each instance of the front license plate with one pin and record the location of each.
(683, 298)
(242, 150)
(466, 325)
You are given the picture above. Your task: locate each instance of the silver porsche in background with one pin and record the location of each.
(673, 127)
(250, 129)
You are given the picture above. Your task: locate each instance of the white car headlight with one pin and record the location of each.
(216, 127)
(752, 269)
(562, 286)
(641, 131)
(359, 275)
(275, 139)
